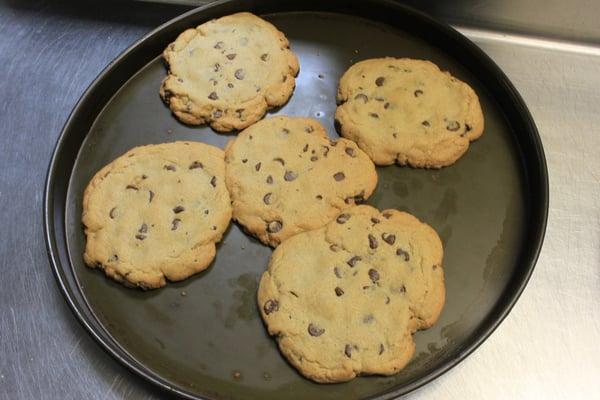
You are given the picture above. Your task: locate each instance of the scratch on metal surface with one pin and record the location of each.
(529, 41)
(75, 346)
(112, 386)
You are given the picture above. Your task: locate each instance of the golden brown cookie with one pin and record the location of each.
(344, 300)
(228, 72)
(407, 111)
(286, 176)
(156, 213)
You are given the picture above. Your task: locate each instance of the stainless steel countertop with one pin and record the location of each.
(547, 347)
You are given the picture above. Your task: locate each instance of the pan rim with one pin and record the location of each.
(536, 232)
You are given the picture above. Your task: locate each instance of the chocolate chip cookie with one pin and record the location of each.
(286, 176)
(156, 213)
(345, 299)
(407, 111)
(228, 72)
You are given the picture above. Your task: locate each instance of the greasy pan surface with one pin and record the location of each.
(489, 208)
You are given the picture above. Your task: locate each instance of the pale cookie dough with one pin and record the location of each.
(155, 213)
(407, 111)
(345, 299)
(286, 176)
(228, 72)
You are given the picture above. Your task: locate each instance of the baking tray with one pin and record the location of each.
(203, 338)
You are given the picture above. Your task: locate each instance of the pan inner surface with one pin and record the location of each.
(205, 334)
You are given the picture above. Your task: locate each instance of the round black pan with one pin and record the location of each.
(203, 338)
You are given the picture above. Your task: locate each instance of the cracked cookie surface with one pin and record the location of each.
(344, 300)
(409, 112)
(156, 213)
(286, 176)
(228, 72)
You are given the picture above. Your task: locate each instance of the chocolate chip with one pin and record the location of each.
(367, 319)
(468, 128)
(314, 158)
(175, 224)
(362, 97)
(267, 198)
(178, 209)
(269, 179)
(352, 262)
(196, 164)
(350, 151)
(285, 130)
(319, 197)
(418, 92)
(425, 123)
(143, 228)
(348, 351)
(244, 161)
(279, 160)
(372, 242)
(239, 74)
(218, 45)
(140, 237)
(213, 96)
(257, 166)
(239, 112)
(389, 238)
(386, 105)
(290, 176)
(381, 349)
(112, 213)
(395, 135)
(309, 129)
(274, 226)
(387, 300)
(213, 181)
(402, 253)
(170, 167)
(387, 215)
(339, 291)
(325, 151)
(379, 81)
(150, 196)
(294, 293)
(375, 220)
(342, 218)
(357, 199)
(264, 56)
(217, 114)
(434, 267)
(231, 56)
(374, 275)
(314, 330)
(337, 271)
(373, 115)
(271, 306)
(131, 187)
(214, 82)
(230, 85)
(339, 176)
(305, 149)
(381, 99)
(206, 212)
(334, 247)
(333, 143)
(216, 68)
(453, 126)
